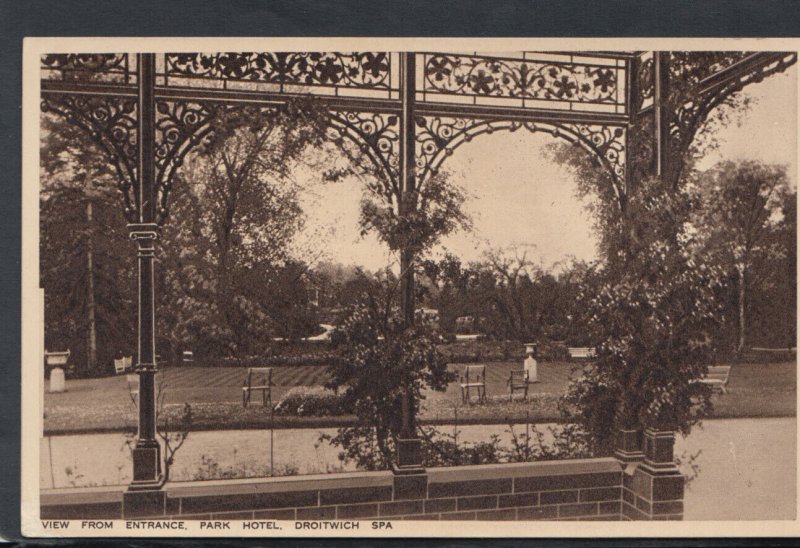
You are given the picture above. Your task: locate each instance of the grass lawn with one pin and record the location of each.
(103, 405)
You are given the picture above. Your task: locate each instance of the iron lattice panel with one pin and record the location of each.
(117, 68)
(357, 74)
(528, 80)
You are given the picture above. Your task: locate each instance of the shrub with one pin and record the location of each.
(652, 314)
(211, 469)
(312, 401)
(383, 362)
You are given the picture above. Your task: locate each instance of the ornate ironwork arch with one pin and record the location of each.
(111, 123)
(437, 137)
(375, 134)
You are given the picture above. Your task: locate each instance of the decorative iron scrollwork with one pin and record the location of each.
(690, 106)
(180, 127)
(103, 67)
(111, 123)
(438, 136)
(376, 134)
(518, 78)
(358, 69)
(645, 80)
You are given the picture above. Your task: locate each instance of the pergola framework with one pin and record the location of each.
(408, 111)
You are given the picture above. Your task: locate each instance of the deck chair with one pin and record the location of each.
(474, 377)
(259, 379)
(517, 380)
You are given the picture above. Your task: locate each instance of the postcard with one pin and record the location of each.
(460, 287)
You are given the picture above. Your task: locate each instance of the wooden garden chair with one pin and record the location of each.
(259, 379)
(581, 353)
(123, 364)
(474, 377)
(716, 378)
(517, 380)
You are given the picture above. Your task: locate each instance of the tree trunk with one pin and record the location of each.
(90, 302)
(742, 319)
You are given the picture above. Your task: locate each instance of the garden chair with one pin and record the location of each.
(518, 380)
(474, 377)
(123, 364)
(259, 379)
(583, 353)
(716, 378)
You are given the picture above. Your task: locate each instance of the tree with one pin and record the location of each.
(656, 299)
(741, 211)
(235, 217)
(651, 319)
(89, 288)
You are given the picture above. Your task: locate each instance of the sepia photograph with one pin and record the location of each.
(293, 293)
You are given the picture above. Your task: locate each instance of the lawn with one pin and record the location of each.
(103, 405)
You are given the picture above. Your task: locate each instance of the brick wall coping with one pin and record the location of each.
(523, 469)
(279, 485)
(81, 495)
(332, 482)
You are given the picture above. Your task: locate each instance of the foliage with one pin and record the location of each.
(82, 271)
(442, 448)
(651, 317)
(433, 210)
(656, 306)
(311, 401)
(744, 222)
(229, 271)
(382, 361)
(174, 436)
(211, 469)
(411, 220)
(508, 296)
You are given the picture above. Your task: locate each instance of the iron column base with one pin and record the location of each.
(146, 467)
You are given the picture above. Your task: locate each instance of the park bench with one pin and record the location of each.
(474, 377)
(717, 377)
(123, 364)
(581, 352)
(518, 380)
(259, 379)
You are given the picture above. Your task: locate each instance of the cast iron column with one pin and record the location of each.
(147, 452)
(409, 448)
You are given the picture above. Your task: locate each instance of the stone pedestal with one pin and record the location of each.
(146, 466)
(529, 365)
(57, 380)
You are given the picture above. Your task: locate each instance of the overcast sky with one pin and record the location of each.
(519, 198)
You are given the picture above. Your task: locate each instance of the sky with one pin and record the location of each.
(518, 199)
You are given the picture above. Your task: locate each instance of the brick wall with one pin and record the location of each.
(588, 489)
